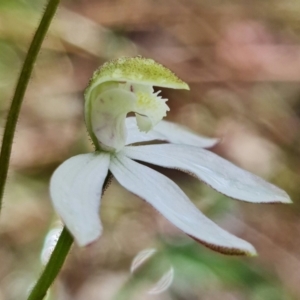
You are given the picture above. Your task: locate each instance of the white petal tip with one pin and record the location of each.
(86, 240)
(252, 254)
(280, 200)
(287, 200)
(186, 87)
(213, 142)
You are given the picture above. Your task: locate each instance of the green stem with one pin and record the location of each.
(14, 110)
(53, 266)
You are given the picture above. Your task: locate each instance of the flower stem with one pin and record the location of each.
(53, 266)
(15, 107)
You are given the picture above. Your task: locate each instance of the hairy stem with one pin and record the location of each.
(15, 107)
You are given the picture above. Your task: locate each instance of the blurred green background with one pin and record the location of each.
(242, 62)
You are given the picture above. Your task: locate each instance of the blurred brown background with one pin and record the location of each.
(242, 62)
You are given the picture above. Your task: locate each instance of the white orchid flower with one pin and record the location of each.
(126, 85)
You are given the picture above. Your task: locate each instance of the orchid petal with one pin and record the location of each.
(173, 204)
(75, 189)
(214, 170)
(167, 131)
(178, 134)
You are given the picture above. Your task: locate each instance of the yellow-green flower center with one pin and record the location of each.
(122, 86)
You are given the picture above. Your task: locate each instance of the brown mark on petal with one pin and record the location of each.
(187, 172)
(107, 182)
(222, 250)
